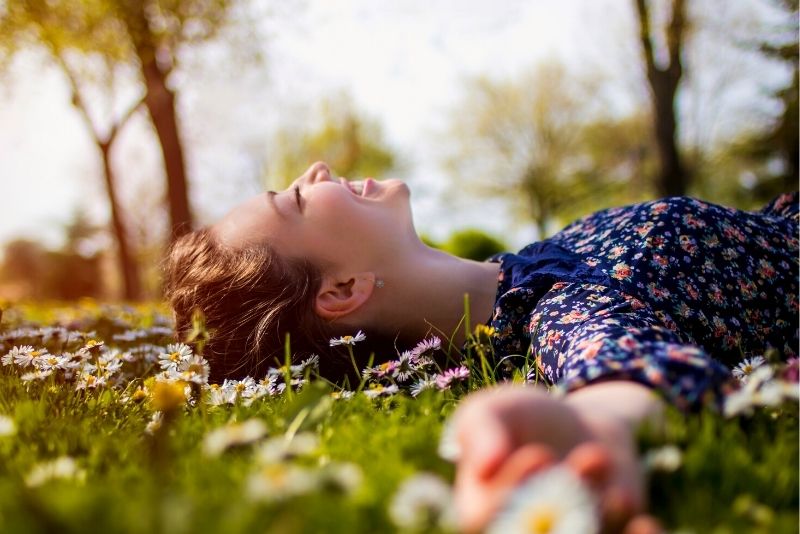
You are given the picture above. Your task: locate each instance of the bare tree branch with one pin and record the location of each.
(645, 37)
(675, 37)
(120, 123)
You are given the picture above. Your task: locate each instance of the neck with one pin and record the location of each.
(426, 295)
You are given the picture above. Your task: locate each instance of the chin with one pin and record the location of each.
(398, 186)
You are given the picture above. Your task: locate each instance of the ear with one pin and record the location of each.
(340, 296)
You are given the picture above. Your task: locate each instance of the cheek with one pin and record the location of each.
(339, 225)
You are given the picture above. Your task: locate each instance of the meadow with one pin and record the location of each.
(107, 425)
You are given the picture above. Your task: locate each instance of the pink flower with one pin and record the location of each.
(456, 374)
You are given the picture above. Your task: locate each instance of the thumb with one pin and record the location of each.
(484, 442)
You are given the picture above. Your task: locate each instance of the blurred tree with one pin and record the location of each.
(545, 142)
(66, 274)
(664, 77)
(781, 143)
(353, 146)
(620, 155)
(24, 267)
(473, 244)
(53, 27)
(760, 161)
(142, 35)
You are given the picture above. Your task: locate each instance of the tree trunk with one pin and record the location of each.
(127, 265)
(128, 268)
(160, 102)
(673, 177)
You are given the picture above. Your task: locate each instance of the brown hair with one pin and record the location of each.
(251, 297)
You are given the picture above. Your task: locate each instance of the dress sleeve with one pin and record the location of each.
(586, 333)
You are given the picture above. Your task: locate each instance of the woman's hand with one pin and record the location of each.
(508, 433)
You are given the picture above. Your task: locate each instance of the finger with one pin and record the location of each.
(592, 462)
(643, 524)
(617, 506)
(521, 464)
(484, 441)
(478, 500)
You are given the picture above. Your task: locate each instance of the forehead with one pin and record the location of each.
(251, 222)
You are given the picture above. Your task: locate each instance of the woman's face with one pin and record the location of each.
(334, 223)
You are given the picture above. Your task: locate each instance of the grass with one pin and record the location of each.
(737, 474)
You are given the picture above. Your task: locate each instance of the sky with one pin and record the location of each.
(404, 64)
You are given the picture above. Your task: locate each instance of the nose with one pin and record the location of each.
(319, 172)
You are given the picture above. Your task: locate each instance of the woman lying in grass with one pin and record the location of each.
(663, 296)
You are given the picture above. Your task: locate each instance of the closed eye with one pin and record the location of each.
(298, 198)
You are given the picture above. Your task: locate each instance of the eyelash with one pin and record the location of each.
(297, 196)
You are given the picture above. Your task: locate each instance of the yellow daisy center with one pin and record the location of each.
(542, 521)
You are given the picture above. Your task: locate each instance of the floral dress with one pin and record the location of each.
(670, 293)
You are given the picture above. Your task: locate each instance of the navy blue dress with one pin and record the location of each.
(670, 293)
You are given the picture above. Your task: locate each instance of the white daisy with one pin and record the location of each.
(553, 501)
(406, 366)
(89, 381)
(109, 363)
(342, 476)
(60, 468)
(275, 482)
(156, 420)
(747, 366)
(51, 333)
(421, 503)
(7, 426)
(427, 345)
(279, 449)
(761, 389)
(51, 362)
(23, 356)
(214, 396)
(176, 353)
(348, 340)
(130, 335)
(38, 374)
(379, 390)
(258, 392)
(193, 369)
(382, 370)
(423, 384)
(164, 331)
(233, 390)
(312, 362)
(264, 387)
(342, 395)
(667, 458)
(220, 439)
(93, 345)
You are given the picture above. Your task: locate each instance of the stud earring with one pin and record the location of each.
(379, 283)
